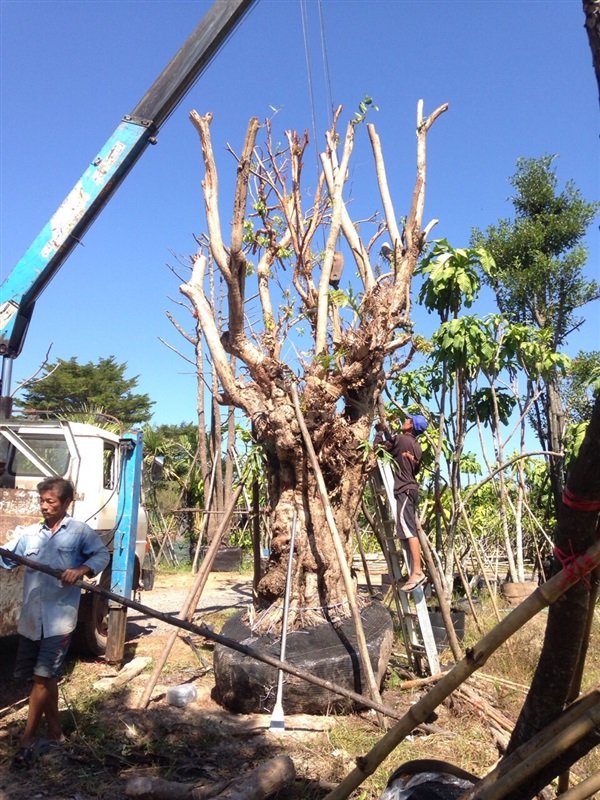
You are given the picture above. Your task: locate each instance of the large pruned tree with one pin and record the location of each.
(351, 334)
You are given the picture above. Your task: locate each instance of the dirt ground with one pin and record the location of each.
(110, 740)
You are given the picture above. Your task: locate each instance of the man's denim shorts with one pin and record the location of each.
(44, 657)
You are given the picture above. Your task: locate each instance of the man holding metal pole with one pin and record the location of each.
(50, 605)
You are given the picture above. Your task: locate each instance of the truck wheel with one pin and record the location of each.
(92, 628)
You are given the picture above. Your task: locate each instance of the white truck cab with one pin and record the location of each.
(91, 458)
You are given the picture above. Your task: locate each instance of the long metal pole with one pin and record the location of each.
(208, 633)
(277, 718)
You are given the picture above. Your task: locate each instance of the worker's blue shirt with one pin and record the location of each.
(49, 608)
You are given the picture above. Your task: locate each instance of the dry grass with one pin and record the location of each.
(110, 741)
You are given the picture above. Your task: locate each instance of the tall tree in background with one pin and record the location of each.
(539, 280)
(68, 387)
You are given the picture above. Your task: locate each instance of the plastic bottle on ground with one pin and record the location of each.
(181, 695)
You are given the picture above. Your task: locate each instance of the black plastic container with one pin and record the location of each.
(440, 634)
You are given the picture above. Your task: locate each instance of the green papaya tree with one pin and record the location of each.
(482, 374)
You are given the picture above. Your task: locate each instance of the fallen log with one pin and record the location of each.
(418, 682)
(547, 743)
(483, 708)
(255, 784)
(150, 788)
(262, 782)
(123, 676)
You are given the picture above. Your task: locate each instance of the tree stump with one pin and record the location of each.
(514, 593)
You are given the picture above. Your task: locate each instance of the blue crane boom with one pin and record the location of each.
(93, 190)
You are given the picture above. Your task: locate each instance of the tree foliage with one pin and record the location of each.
(539, 280)
(68, 387)
(582, 385)
(540, 254)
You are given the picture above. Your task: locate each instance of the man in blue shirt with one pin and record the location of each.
(50, 605)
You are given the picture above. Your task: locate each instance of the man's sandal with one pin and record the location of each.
(49, 745)
(23, 758)
(412, 585)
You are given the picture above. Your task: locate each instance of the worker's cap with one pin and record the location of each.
(419, 422)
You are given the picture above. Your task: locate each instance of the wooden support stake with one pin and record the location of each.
(363, 558)
(441, 595)
(193, 596)
(480, 562)
(360, 633)
(468, 593)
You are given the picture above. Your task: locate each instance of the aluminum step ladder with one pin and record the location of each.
(411, 606)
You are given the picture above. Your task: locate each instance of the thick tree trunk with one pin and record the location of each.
(343, 378)
(591, 10)
(577, 530)
(555, 419)
(318, 588)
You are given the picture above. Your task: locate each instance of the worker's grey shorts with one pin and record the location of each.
(44, 657)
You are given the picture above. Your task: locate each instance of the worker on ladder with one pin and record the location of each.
(407, 454)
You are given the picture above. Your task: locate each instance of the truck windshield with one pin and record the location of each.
(51, 449)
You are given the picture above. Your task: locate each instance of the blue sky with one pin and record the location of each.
(517, 75)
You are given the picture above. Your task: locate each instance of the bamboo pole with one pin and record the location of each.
(347, 578)
(568, 716)
(441, 594)
(191, 601)
(575, 688)
(585, 789)
(363, 558)
(502, 681)
(475, 658)
(468, 593)
(208, 633)
(211, 489)
(256, 547)
(545, 755)
(480, 562)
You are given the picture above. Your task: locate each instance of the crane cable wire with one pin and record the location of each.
(325, 59)
(309, 74)
(309, 70)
